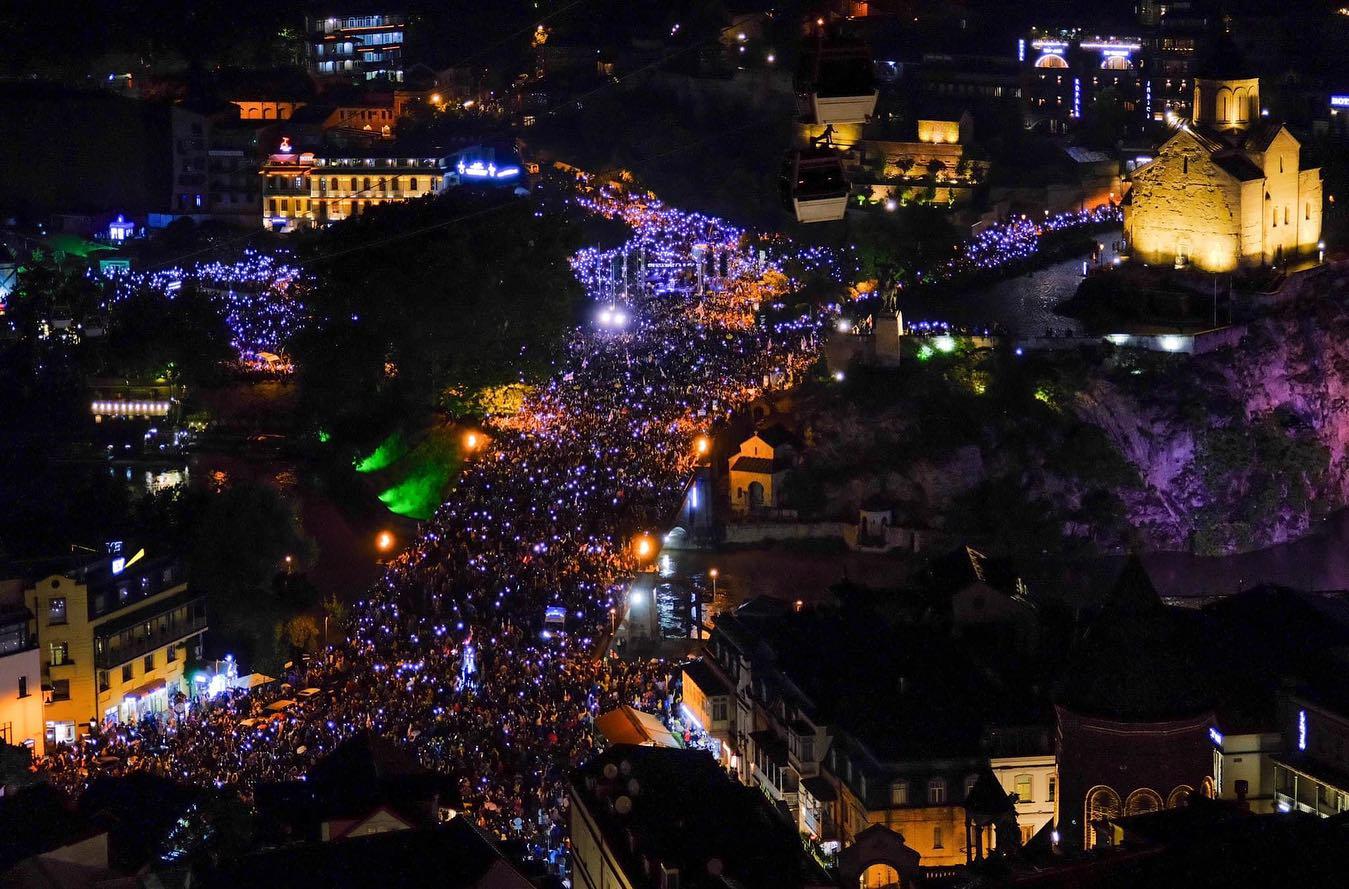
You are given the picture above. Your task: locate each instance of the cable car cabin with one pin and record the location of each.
(815, 187)
(836, 83)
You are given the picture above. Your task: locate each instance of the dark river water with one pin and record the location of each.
(1024, 305)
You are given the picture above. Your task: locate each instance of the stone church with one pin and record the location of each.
(1227, 189)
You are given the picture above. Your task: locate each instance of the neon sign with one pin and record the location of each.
(285, 146)
(1339, 101)
(479, 170)
(1302, 729)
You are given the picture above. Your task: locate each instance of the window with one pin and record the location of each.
(936, 791)
(1053, 788)
(171, 654)
(103, 680)
(808, 749)
(1023, 789)
(23, 686)
(60, 653)
(56, 610)
(719, 708)
(937, 837)
(60, 689)
(128, 671)
(969, 785)
(149, 662)
(899, 793)
(1285, 216)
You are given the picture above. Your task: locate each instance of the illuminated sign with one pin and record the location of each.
(1302, 729)
(1216, 737)
(1049, 45)
(1116, 53)
(555, 614)
(118, 565)
(1339, 101)
(1077, 97)
(1110, 44)
(285, 146)
(1021, 50)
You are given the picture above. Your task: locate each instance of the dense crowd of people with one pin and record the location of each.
(449, 651)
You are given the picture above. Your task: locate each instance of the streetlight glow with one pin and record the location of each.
(384, 541)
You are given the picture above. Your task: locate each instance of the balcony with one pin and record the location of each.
(187, 618)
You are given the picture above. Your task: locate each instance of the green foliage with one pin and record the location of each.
(1254, 471)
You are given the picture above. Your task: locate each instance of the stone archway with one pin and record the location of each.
(1102, 805)
(1180, 797)
(1142, 801)
(878, 876)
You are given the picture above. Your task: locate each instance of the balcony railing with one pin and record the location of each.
(142, 644)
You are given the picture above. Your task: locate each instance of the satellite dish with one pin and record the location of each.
(610, 771)
(623, 805)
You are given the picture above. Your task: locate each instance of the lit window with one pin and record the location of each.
(1023, 789)
(56, 610)
(936, 791)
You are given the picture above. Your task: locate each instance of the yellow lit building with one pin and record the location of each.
(1227, 190)
(20, 675)
(758, 468)
(114, 636)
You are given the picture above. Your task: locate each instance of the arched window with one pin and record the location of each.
(936, 791)
(1116, 63)
(1179, 797)
(354, 186)
(1102, 805)
(1207, 788)
(1239, 104)
(366, 184)
(1048, 60)
(1142, 801)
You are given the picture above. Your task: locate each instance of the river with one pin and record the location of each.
(1024, 305)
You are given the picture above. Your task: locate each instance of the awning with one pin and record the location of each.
(278, 706)
(819, 787)
(253, 680)
(629, 726)
(150, 687)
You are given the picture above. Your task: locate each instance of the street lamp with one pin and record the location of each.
(702, 445)
(384, 541)
(644, 547)
(712, 573)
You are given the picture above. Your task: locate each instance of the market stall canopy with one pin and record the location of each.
(629, 726)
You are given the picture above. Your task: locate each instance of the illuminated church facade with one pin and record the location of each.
(1227, 190)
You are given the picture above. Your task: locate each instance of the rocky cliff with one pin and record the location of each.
(1222, 452)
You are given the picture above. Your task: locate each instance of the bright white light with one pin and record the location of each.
(844, 325)
(944, 344)
(1118, 339)
(838, 375)
(1173, 343)
(1302, 729)
(891, 204)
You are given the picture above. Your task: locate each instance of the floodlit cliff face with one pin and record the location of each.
(1216, 453)
(1242, 448)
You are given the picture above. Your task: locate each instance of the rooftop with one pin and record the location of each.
(688, 814)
